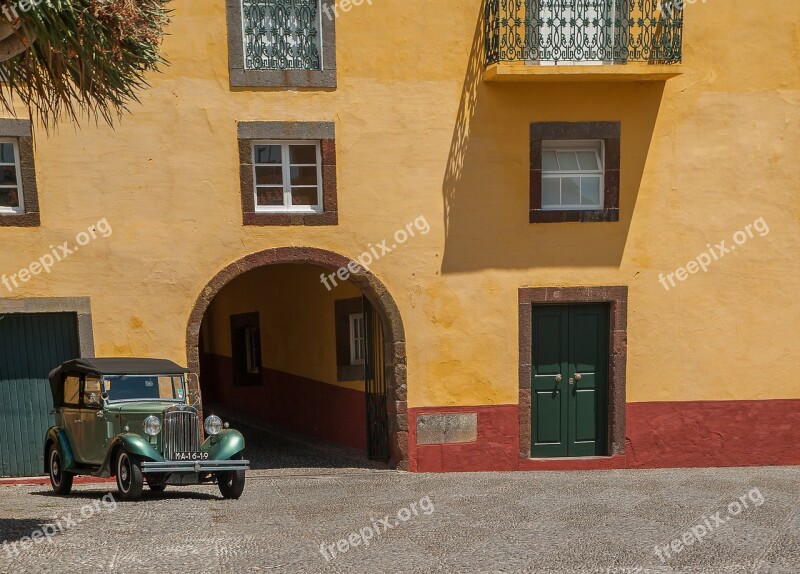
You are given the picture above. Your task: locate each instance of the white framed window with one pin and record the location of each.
(573, 174)
(358, 339)
(287, 176)
(252, 351)
(11, 198)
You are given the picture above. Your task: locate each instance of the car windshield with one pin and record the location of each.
(144, 387)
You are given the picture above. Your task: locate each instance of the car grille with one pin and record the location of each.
(181, 431)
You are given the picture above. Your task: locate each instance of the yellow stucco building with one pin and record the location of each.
(459, 235)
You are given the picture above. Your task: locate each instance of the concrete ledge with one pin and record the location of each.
(447, 428)
(524, 72)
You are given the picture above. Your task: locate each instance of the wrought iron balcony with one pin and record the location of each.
(583, 32)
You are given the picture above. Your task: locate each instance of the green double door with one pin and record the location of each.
(569, 383)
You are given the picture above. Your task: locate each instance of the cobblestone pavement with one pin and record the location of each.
(570, 522)
(276, 451)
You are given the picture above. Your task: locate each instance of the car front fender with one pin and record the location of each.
(132, 443)
(225, 445)
(57, 435)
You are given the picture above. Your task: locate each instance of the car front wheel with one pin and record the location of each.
(130, 481)
(231, 483)
(60, 480)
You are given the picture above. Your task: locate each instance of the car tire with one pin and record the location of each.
(231, 483)
(130, 481)
(60, 480)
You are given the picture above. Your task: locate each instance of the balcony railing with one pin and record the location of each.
(583, 32)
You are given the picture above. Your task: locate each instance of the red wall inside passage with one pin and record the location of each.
(304, 405)
(658, 435)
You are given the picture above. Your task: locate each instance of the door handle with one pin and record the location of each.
(558, 378)
(578, 376)
(77, 421)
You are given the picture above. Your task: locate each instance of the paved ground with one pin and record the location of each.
(565, 522)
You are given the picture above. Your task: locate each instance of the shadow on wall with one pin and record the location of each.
(487, 182)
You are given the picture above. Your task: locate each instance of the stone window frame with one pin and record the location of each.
(240, 77)
(322, 132)
(345, 370)
(617, 299)
(21, 131)
(80, 306)
(610, 134)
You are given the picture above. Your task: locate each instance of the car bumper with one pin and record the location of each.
(171, 466)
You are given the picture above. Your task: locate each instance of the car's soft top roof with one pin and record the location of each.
(115, 366)
(110, 366)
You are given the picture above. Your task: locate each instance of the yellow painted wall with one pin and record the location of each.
(419, 134)
(297, 317)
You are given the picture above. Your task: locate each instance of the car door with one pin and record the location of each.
(94, 434)
(71, 414)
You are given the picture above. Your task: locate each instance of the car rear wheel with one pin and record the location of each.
(231, 483)
(60, 480)
(130, 481)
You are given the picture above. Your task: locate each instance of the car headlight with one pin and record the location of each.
(213, 425)
(152, 425)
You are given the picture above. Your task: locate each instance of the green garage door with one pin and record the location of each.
(31, 345)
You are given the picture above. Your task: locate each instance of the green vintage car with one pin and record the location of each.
(132, 419)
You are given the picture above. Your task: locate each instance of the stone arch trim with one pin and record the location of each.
(372, 288)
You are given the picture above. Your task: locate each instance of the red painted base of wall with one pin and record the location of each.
(304, 405)
(496, 447)
(658, 435)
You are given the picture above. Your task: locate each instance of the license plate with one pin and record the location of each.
(185, 455)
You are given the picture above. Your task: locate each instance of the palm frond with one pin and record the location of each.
(81, 56)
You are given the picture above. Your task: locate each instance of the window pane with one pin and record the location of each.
(9, 197)
(268, 154)
(72, 390)
(549, 162)
(551, 192)
(304, 175)
(269, 196)
(303, 154)
(570, 191)
(588, 160)
(7, 153)
(590, 191)
(269, 175)
(304, 196)
(8, 175)
(567, 160)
